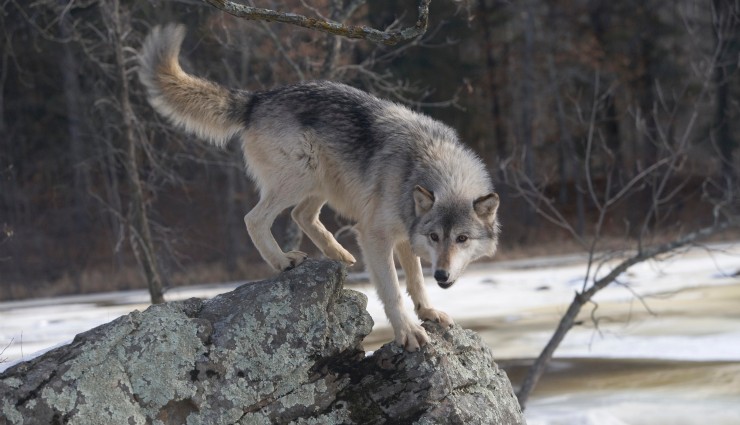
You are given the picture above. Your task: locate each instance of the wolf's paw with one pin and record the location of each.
(437, 316)
(291, 259)
(337, 252)
(411, 337)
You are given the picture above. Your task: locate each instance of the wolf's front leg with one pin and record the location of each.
(377, 249)
(415, 286)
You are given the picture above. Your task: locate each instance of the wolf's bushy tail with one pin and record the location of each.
(197, 105)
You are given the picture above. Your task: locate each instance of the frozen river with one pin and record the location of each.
(664, 347)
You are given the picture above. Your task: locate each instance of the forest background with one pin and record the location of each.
(613, 123)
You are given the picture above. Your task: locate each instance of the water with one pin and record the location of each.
(663, 347)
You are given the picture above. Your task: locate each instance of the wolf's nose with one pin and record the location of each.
(441, 275)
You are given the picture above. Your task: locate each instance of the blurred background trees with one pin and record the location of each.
(606, 125)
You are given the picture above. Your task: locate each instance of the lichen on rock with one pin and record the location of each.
(284, 350)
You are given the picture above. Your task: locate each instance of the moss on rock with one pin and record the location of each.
(285, 350)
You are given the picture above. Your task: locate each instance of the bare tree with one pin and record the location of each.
(87, 38)
(493, 17)
(659, 185)
(139, 226)
(726, 25)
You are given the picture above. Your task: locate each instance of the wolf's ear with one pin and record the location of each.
(423, 200)
(486, 206)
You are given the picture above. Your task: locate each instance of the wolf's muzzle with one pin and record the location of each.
(442, 277)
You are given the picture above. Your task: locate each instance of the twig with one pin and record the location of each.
(5, 359)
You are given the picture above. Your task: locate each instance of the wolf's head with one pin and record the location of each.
(450, 233)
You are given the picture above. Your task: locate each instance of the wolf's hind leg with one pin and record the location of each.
(306, 214)
(415, 285)
(259, 221)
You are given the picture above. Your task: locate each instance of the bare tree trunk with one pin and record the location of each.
(7, 200)
(113, 202)
(646, 50)
(229, 221)
(333, 43)
(72, 97)
(493, 89)
(612, 135)
(293, 236)
(77, 160)
(726, 22)
(599, 18)
(527, 111)
(570, 169)
(140, 230)
(528, 89)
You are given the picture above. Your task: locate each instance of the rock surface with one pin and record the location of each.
(286, 350)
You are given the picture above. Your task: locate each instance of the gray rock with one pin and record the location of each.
(286, 350)
(453, 380)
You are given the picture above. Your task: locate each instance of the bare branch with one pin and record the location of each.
(581, 298)
(4, 359)
(589, 143)
(534, 196)
(350, 31)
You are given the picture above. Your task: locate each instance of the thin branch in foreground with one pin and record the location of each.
(581, 298)
(5, 359)
(350, 31)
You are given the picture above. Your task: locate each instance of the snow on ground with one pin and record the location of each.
(506, 296)
(635, 408)
(687, 310)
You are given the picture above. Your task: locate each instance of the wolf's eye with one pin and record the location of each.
(462, 239)
(434, 237)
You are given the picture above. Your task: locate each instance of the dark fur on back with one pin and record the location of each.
(348, 114)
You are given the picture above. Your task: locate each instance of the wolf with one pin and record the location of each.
(413, 189)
